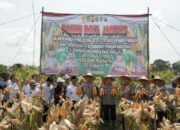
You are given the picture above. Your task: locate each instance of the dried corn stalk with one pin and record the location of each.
(166, 125)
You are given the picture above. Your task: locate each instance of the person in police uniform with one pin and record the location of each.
(108, 100)
(144, 83)
(59, 92)
(88, 85)
(126, 89)
(161, 88)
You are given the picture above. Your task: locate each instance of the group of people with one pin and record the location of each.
(57, 89)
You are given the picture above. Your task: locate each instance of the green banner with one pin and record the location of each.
(75, 44)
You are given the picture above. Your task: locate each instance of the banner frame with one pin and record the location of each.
(129, 15)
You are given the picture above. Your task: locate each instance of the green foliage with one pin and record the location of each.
(25, 71)
(158, 67)
(166, 75)
(161, 65)
(16, 66)
(176, 67)
(3, 68)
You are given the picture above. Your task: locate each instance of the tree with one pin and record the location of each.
(16, 66)
(24, 72)
(4, 72)
(176, 67)
(166, 75)
(3, 68)
(161, 65)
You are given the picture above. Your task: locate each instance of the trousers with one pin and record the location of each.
(109, 112)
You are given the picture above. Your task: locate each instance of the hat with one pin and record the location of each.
(125, 77)
(108, 77)
(158, 80)
(177, 80)
(66, 77)
(60, 80)
(73, 77)
(144, 78)
(89, 75)
(49, 79)
(32, 83)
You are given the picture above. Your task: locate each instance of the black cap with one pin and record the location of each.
(73, 77)
(49, 79)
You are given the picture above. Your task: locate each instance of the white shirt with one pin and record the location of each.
(71, 93)
(14, 90)
(48, 93)
(25, 88)
(31, 93)
(38, 85)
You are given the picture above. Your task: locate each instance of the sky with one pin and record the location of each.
(17, 38)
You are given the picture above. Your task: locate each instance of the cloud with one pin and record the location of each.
(158, 14)
(12, 37)
(5, 5)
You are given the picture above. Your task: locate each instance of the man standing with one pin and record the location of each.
(32, 90)
(4, 88)
(71, 90)
(89, 87)
(126, 90)
(35, 77)
(66, 84)
(48, 91)
(161, 88)
(14, 89)
(26, 86)
(108, 99)
(3, 80)
(171, 89)
(59, 91)
(66, 80)
(143, 88)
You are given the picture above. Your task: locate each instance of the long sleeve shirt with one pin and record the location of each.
(31, 92)
(71, 93)
(88, 90)
(48, 94)
(127, 92)
(108, 99)
(14, 90)
(25, 88)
